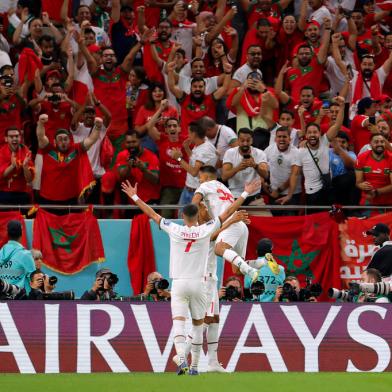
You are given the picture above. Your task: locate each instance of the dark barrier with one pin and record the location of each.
(137, 337)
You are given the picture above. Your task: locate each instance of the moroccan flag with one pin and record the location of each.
(356, 246)
(5, 217)
(141, 258)
(68, 243)
(306, 246)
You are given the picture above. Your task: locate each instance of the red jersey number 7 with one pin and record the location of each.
(189, 245)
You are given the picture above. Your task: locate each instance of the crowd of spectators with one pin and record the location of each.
(297, 93)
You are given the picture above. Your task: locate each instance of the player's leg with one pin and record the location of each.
(197, 307)
(179, 307)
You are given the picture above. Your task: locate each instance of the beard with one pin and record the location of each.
(197, 100)
(367, 73)
(244, 149)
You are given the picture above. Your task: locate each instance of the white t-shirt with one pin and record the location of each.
(212, 262)
(189, 248)
(238, 181)
(216, 196)
(184, 34)
(311, 174)
(319, 15)
(334, 74)
(224, 136)
(185, 78)
(242, 73)
(280, 164)
(101, 38)
(206, 154)
(93, 153)
(294, 138)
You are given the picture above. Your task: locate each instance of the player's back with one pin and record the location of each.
(189, 248)
(216, 196)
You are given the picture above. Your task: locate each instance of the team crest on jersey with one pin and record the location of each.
(280, 160)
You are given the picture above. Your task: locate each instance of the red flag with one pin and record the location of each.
(5, 217)
(141, 258)
(307, 246)
(356, 246)
(68, 243)
(29, 62)
(385, 5)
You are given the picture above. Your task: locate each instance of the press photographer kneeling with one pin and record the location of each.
(156, 288)
(103, 287)
(291, 291)
(42, 288)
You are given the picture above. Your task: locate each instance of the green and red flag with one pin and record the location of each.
(306, 246)
(68, 243)
(5, 217)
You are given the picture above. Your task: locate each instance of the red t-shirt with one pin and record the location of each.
(61, 177)
(273, 16)
(171, 173)
(251, 38)
(110, 89)
(192, 111)
(365, 41)
(360, 134)
(60, 117)
(10, 114)
(146, 190)
(15, 181)
(310, 115)
(150, 66)
(376, 173)
(144, 115)
(311, 75)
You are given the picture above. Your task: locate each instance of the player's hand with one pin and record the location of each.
(43, 118)
(240, 216)
(253, 186)
(128, 189)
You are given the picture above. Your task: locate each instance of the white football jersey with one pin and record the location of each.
(212, 262)
(217, 197)
(189, 248)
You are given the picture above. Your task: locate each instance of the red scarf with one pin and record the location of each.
(375, 87)
(28, 63)
(248, 102)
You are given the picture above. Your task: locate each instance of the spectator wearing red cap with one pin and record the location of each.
(264, 9)
(314, 10)
(373, 172)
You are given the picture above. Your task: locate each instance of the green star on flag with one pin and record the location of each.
(62, 240)
(298, 262)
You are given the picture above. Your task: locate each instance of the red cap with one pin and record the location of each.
(53, 73)
(384, 97)
(313, 22)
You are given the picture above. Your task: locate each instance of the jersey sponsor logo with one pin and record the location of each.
(225, 196)
(211, 222)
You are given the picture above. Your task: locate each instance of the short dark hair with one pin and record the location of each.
(207, 122)
(62, 131)
(263, 22)
(46, 38)
(312, 124)
(139, 72)
(198, 79)
(286, 111)
(373, 135)
(197, 59)
(358, 11)
(171, 119)
(254, 46)
(5, 67)
(306, 46)
(343, 135)
(195, 127)
(190, 210)
(14, 229)
(367, 56)
(290, 279)
(232, 279)
(181, 52)
(89, 30)
(283, 129)
(307, 88)
(131, 132)
(166, 20)
(209, 169)
(32, 20)
(12, 128)
(245, 131)
(35, 272)
(264, 246)
(374, 273)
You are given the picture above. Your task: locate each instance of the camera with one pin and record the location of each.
(342, 295)
(7, 81)
(380, 288)
(10, 291)
(311, 290)
(112, 279)
(161, 284)
(257, 288)
(232, 293)
(52, 280)
(247, 156)
(54, 98)
(288, 293)
(59, 296)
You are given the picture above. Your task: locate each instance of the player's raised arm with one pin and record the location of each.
(249, 188)
(131, 192)
(239, 216)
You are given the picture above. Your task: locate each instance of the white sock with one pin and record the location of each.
(233, 257)
(197, 342)
(179, 338)
(212, 340)
(188, 345)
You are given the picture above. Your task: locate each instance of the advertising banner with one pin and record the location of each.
(42, 337)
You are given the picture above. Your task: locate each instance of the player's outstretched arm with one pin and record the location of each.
(249, 188)
(130, 191)
(239, 216)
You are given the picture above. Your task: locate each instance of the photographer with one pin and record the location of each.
(156, 288)
(291, 291)
(102, 289)
(371, 275)
(41, 288)
(231, 290)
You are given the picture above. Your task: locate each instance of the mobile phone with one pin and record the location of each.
(326, 105)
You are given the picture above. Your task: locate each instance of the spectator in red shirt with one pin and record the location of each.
(264, 9)
(374, 173)
(156, 95)
(172, 175)
(197, 104)
(364, 37)
(16, 169)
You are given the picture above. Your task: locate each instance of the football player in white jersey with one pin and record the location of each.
(211, 321)
(218, 198)
(189, 247)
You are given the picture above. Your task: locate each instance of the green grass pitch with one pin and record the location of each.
(148, 382)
